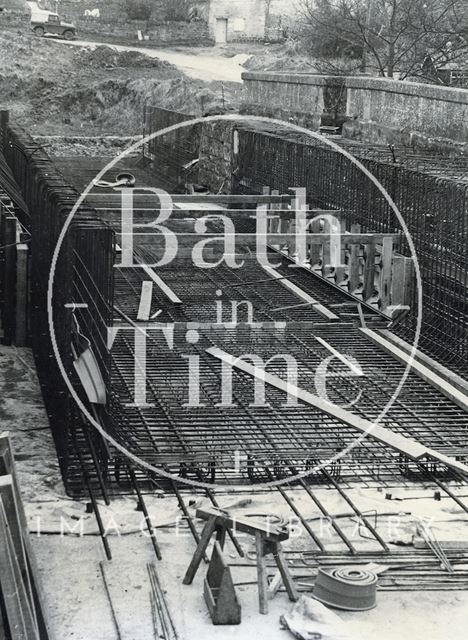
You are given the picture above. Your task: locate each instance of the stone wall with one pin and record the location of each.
(406, 112)
(376, 110)
(114, 24)
(302, 99)
(190, 33)
(210, 142)
(216, 156)
(248, 19)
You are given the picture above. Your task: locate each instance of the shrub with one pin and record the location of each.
(138, 9)
(177, 10)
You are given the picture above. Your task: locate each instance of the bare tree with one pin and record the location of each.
(388, 35)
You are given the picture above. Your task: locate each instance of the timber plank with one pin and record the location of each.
(408, 447)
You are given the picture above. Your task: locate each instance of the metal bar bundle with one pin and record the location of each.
(164, 626)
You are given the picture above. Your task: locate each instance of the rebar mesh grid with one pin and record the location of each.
(83, 276)
(170, 155)
(434, 208)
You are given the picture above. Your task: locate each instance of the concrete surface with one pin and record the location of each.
(81, 610)
(79, 607)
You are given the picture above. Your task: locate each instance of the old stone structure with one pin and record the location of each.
(114, 25)
(294, 97)
(249, 19)
(216, 156)
(377, 110)
(207, 20)
(409, 112)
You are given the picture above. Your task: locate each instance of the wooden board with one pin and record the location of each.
(409, 448)
(114, 198)
(355, 369)
(162, 285)
(22, 254)
(370, 239)
(421, 370)
(243, 524)
(354, 262)
(446, 374)
(18, 605)
(10, 504)
(40, 605)
(144, 309)
(369, 272)
(386, 273)
(402, 278)
(220, 594)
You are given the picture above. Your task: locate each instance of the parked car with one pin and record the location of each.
(52, 24)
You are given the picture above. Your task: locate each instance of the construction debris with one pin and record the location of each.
(310, 619)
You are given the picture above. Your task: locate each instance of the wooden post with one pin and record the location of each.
(274, 224)
(262, 574)
(314, 252)
(386, 273)
(9, 241)
(326, 250)
(354, 262)
(282, 565)
(21, 315)
(369, 271)
(146, 297)
(340, 253)
(9, 500)
(402, 276)
(208, 530)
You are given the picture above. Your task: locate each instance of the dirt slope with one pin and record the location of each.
(67, 91)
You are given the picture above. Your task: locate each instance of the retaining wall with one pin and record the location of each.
(295, 97)
(376, 110)
(193, 33)
(216, 156)
(114, 24)
(405, 112)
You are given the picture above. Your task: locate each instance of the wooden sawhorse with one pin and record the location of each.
(268, 540)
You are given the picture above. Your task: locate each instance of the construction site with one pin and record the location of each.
(234, 372)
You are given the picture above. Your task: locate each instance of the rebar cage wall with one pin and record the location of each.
(83, 275)
(434, 210)
(170, 154)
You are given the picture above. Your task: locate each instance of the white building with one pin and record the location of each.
(249, 19)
